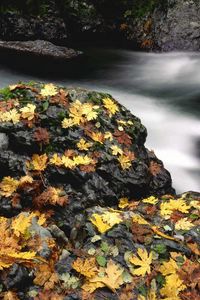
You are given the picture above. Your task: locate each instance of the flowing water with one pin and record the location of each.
(162, 89)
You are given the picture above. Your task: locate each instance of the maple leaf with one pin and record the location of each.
(10, 296)
(90, 287)
(169, 267)
(89, 111)
(67, 123)
(141, 233)
(113, 276)
(123, 203)
(123, 138)
(38, 162)
(111, 106)
(68, 162)
(97, 137)
(56, 160)
(10, 116)
(28, 112)
(155, 168)
(150, 200)
(142, 261)
(46, 276)
(184, 224)
(49, 90)
(88, 169)
(83, 145)
(8, 186)
(98, 222)
(140, 220)
(167, 208)
(173, 286)
(116, 150)
(87, 267)
(190, 274)
(41, 135)
(108, 136)
(61, 98)
(83, 160)
(112, 218)
(52, 196)
(21, 224)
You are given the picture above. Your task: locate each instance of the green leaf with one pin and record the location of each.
(104, 247)
(101, 260)
(160, 248)
(45, 105)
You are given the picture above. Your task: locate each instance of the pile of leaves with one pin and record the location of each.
(76, 217)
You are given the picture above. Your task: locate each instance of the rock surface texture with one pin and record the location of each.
(76, 217)
(175, 27)
(39, 48)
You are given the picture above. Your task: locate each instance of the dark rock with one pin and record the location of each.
(39, 48)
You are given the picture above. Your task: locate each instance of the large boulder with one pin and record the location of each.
(115, 161)
(76, 217)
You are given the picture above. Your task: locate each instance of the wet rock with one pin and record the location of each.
(41, 48)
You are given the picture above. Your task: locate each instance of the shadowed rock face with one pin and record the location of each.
(40, 48)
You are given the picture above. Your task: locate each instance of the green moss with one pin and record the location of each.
(6, 93)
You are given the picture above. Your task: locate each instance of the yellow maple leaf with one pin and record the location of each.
(151, 200)
(108, 136)
(169, 267)
(10, 116)
(28, 255)
(183, 224)
(113, 276)
(28, 112)
(49, 90)
(21, 223)
(98, 222)
(89, 111)
(123, 203)
(124, 161)
(68, 162)
(56, 160)
(8, 186)
(38, 162)
(25, 179)
(111, 218)
(66, 123)
(116, 150)
(195, 204)
(87, 267)
(90, 287)
(142, 261)
(167, 208)
(97, 137)
(83, 145)
(111, 106)
(173, 286)
(83, 160)
(140, 220)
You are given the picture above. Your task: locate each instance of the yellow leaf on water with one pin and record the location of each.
(49, 90)
(142, 261)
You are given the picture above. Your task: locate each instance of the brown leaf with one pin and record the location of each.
(190, 273)
(88, 168)
(61, 98)
(41, 135)
(122, 137)
(140, 232)
(154, 168)
(191, 295)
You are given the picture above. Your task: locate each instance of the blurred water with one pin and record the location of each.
(162, 89)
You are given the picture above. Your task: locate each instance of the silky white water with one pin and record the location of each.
(162, 89)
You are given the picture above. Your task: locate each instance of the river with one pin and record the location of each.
(162, 89)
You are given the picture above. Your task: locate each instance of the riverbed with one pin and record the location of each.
(162, 89)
